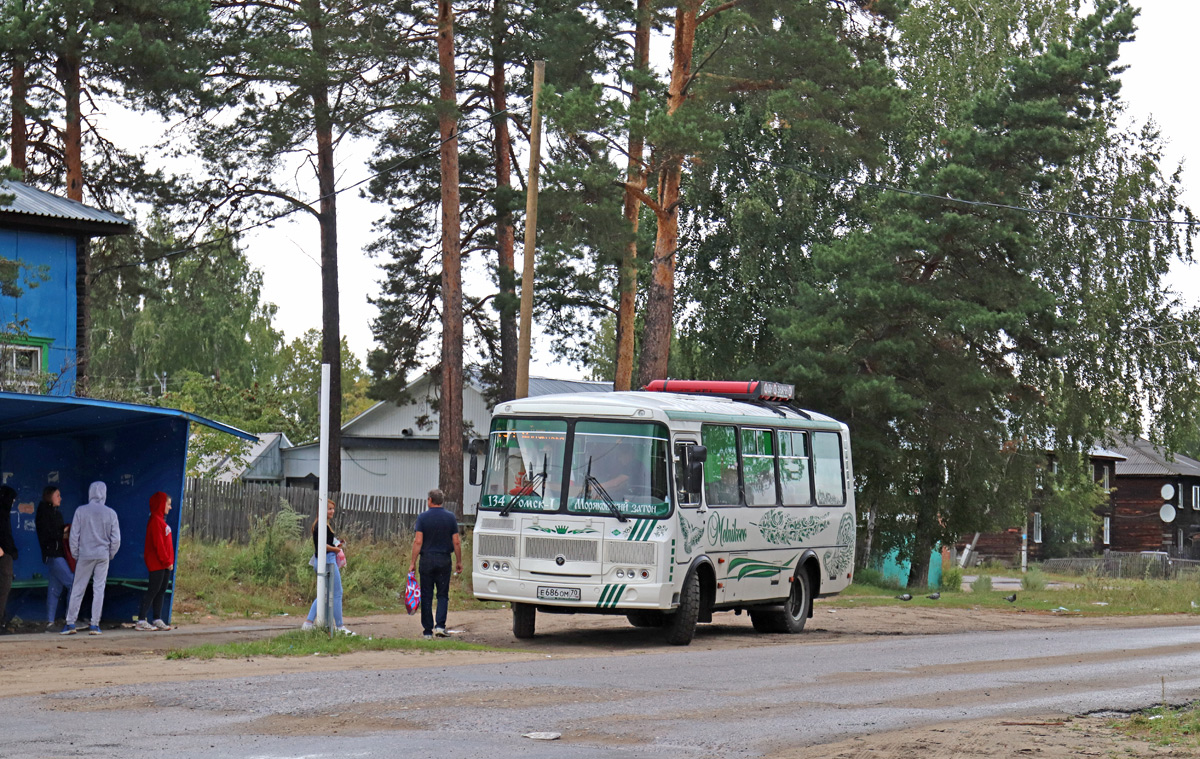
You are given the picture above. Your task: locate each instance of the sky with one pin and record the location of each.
(1157, 85)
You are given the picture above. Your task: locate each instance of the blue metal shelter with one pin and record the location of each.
(71, 442)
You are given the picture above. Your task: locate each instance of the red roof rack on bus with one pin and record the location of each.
(754, 390)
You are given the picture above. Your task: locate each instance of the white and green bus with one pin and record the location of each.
(665, 505)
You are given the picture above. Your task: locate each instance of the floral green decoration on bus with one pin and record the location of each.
(621, 465)
(778, 526)
(743, 567)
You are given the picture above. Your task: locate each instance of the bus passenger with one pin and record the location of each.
(160, 560)
(95, 540)
(8, 549)
(52, 534)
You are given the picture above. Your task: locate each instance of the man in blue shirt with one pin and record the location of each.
(436, 536)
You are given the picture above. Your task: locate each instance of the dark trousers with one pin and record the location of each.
(435, 573)
(6, 578)
(153, 597)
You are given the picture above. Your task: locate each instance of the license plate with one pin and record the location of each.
(559, 594)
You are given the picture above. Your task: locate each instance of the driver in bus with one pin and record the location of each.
(619, 471)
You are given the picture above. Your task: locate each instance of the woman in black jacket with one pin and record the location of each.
(8, 549)
(51, 534)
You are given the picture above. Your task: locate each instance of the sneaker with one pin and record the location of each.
(307, 625)
(94, 630)
(158, 624)
(439, 632)
(144, 625)
(67, 630)
(347, 631)
(51, 627)
(428, 636)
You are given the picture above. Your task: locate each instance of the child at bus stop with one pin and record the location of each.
(160, 560)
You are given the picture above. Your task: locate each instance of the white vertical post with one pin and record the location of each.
(322, 499)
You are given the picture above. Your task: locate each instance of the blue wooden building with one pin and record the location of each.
(42, 237)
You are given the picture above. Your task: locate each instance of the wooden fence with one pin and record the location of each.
(1137, 566)
(228, 510)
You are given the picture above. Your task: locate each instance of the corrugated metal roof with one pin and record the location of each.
(546, 386)
(30, 201)
(1142, 459)
(23, 415)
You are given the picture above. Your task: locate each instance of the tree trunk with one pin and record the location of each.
(660, 300)
(18, 116)
(450, 436)
(331, 340)
(505, 239)
(68, 74)
(636, 176)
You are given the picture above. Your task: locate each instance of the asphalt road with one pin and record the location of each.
(681, 703)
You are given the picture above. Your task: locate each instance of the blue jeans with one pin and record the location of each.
(333, 580)
(435, 573)
(59, 576)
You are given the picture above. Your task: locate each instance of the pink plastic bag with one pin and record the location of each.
(341, 559)
(412, 594)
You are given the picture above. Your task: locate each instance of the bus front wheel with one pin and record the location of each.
(524, 620)
(681, 625)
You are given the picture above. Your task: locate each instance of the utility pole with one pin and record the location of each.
(531, 203)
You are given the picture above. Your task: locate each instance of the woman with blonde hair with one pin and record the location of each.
(335, 559)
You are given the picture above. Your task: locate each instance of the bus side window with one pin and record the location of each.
(758, 467)
(827, 468)
(722, 486)
(794, 470)
(682, 461)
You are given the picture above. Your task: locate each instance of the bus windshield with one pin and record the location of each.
(525, 465)
(619, 464)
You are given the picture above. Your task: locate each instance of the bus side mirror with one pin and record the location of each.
(473, 475)
(697, 455)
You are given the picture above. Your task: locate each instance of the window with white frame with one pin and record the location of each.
(20, 366)
(1107, 485)
(1107, 530)
(1036, 531)
(1195, 497)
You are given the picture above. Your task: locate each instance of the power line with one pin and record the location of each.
(981, 203)
(308, 204)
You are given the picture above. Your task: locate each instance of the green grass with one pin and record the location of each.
(1165, 726)
(315, 642)
(1083, 596)
(269, 578)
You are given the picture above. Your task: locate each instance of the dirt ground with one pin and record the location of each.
(47, 663)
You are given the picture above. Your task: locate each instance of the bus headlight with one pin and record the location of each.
(620, 573)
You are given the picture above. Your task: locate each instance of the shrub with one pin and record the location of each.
(875, 578)
(982, 584)
(1034, 579)
(952, 580)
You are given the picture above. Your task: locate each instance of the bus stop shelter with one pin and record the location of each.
(71, 442)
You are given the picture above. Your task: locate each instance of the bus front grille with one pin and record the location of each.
(625, 552)
(571, 550)
(503, 546)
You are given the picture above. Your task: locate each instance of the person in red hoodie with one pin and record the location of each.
(160, 560)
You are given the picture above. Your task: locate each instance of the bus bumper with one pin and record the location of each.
(593, 596)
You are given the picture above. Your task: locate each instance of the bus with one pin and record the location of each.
(664, 505)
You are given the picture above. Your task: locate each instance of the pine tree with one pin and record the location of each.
(297, 79)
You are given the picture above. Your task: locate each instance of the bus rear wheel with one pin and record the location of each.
(524, 620)
(680, 626)
(793, 615)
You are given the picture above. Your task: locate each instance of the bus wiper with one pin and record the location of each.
(534, 481)
(604, 496)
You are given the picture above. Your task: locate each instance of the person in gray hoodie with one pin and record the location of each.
(95, 539)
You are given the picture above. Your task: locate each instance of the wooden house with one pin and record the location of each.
(1005, 546)
(42, 237)
(1157, 502)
